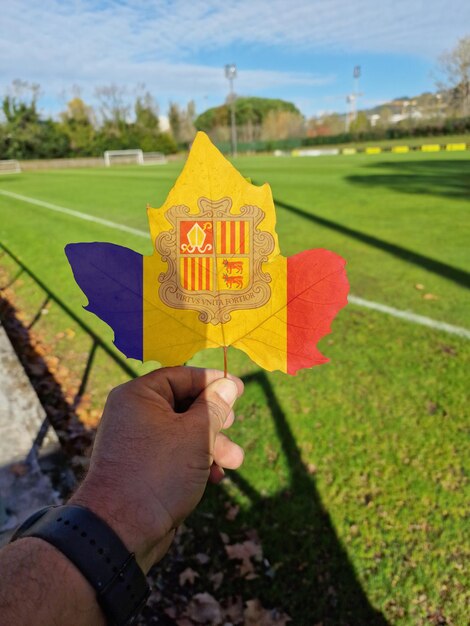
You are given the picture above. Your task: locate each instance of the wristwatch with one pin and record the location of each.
(100, 555)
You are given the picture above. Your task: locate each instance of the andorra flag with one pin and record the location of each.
(216, 277)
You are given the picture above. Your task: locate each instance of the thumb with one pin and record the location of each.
(213, 406)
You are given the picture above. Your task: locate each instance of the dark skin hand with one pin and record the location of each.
(158, 444)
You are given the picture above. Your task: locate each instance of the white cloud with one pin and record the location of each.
(61, 42)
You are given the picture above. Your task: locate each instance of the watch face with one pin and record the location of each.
(29, 522)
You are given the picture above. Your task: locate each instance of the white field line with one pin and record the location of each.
(411, 317)
(78, 214)
(408, 316)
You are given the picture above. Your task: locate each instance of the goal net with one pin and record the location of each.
(116, 157)
(154, 158)
(10, 166)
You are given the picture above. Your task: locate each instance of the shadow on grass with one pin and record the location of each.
(461, 277)
(75, 439)
(316, 582)
(447, 179)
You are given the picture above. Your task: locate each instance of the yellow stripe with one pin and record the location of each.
(219, 236)
(373, 150)
(454, 147)
(430, 147)
(400, 149)
(237, 237)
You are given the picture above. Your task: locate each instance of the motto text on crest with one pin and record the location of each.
(214, 259)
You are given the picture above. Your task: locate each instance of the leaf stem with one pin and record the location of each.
(225, 361)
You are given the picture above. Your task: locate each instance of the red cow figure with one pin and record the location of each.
(235, 266)
(233, 281)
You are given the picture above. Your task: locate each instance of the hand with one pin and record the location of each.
(157, 445)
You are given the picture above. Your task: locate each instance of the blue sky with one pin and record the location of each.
(299, 50)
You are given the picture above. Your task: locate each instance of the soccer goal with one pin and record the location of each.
(10, 166)
(117, 157)
(154, 158)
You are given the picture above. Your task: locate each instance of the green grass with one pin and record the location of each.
(379, 522)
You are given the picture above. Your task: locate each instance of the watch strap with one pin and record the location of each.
(100, 555)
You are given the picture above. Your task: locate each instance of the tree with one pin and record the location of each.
(112, 104)
(174, 118)
(282, 125)
(325, 125)
(146, 112)
(360, 125)
(78, 124)
(25, 135)
(454, 66)
(182, 122)
(247, 111)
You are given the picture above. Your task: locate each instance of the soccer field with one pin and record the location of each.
(355, 471)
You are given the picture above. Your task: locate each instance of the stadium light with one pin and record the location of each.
(231, 74)
(351, 98)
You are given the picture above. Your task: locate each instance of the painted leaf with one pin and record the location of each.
(216, 276)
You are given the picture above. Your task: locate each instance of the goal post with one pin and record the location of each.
(154, 158)
(112, 157)
(10, 166)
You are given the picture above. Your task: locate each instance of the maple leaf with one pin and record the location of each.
(216, 277)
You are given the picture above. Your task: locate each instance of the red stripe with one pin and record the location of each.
(193, 280)
(200, 263)
(242, 237)
(208, 276)
(223, 239)
(232, 238)
(317, 288)
(185, 272)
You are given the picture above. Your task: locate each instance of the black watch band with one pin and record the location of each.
(100, 555)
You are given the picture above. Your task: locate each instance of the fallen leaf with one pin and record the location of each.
(233, 611)
(419, 286)
(188, 576)
(430, 296)
(216, 276)
(170, 611)
(245, 552)
(216, 579)
(202, 558)
(256, 615)
(232, 512)
(204, 608)
(225, 538)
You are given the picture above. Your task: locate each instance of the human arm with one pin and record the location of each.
(158, 443)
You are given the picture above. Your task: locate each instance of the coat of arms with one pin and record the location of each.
(214, 259)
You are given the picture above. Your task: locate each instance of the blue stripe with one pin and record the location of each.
(111, 277)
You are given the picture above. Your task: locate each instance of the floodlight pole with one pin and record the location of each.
(356, 75)
(351, 98)
(231, 74)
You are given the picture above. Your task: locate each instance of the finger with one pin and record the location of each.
(212, 407)
(177, 384)
(227, 453)
(216, 474)
(230, 419)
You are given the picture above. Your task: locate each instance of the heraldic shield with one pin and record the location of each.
(214, 259)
